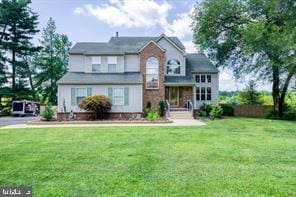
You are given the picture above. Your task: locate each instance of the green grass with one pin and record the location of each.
(230, 157)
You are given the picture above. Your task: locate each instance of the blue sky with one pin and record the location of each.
(97, 21)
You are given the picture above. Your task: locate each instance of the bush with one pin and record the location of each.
(48, 113)
(148, 108)
(228, 110)
(216, 112)
(203, 113)
(6, 111)
(98, 105)
(205, 108)
(290, 114)
(148, 105)
(152, 115)
(161, 108)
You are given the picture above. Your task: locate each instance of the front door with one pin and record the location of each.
(172, 94)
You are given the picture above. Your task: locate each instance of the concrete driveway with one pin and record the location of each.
(17, 120)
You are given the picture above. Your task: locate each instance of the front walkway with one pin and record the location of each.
(176, 122)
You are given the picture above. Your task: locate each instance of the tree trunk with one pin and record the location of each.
(275, 88)
(13, 70)
(281, 100)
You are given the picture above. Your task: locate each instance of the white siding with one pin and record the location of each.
(120, 64)
(172, 53)
(132, 63)
(214, 88)
(76, 63)
(135, 97)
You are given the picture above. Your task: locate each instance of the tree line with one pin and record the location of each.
(29, 70)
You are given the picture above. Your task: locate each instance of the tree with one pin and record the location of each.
(51, 62)
(18, 27)
(251, 36)
(250, 94)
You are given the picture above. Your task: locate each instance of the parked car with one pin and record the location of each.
(25, 107)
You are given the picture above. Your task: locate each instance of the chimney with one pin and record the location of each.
(117, 34)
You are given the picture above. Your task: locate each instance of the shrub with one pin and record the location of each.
(216, 112)
(203, 113)
(98, 105)
(152, 115)
(206, 108)
(6, 111)
(161, 108)
(48, 113)
(290, 114)
(148, 108)
(148, 105)
(228, 110)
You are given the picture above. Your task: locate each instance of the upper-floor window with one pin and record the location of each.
(203, 78)
(173, 67)
(96, 64)
(152, 67)
(112, 64)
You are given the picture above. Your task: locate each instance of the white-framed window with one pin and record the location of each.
(112, 64)
(203, 78)
(96, 64)
(203, 93)
(152, 74)
(77, 94)
(118, 96)
(173, 67)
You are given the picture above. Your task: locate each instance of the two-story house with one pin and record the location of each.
(134, 70)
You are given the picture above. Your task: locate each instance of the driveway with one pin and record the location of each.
(17, 120)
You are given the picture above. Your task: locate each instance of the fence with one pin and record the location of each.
(258, 111)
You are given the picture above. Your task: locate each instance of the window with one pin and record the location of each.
(203, 78)
(173, 67)
(112, 64)
(197, 78)
(77, 94)
(96, 64)
(209, 78)
(81, 94)
(209, 92)
(203, 93)
(152, 81)
(118, 96)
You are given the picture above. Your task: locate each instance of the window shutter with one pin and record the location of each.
(73, 96)
(89, 92)
(126, 96)
(110, 94)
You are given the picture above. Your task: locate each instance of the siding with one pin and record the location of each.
(171, 52)
(76, 63)
(135, 97)
(214, 88)
(131, 63)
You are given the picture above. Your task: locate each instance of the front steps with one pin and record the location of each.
(180, 114)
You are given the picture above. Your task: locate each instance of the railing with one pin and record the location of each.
(190, 106)
(167, 108)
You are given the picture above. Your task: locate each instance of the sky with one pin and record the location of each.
(97, 21)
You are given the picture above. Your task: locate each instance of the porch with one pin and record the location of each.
(178, 96)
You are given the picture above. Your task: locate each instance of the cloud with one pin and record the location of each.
(128, 13)
(139, 14)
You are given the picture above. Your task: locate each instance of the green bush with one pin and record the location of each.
(48, 113)
(161, 108)
(147, 109)
(216, 112)
(202, 113)
(99, 105)
(148, 105)
(6, 111)
(152, 115)
(228, 110)
(290, 114)
(206, 108)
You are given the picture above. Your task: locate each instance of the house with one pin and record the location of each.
(134, 70)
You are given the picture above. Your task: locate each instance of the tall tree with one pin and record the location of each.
(51, 62)
(251, 36)
(250, 95)
(20, 26)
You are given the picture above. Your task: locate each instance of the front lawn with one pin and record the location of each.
(227, 157)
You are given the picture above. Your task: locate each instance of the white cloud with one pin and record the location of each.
(190, 47)
(129, 13)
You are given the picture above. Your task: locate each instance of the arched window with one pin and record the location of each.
(173, 67)
(152, 67)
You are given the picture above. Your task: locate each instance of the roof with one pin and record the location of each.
(101, 78)
(195, 63)
(117, 45)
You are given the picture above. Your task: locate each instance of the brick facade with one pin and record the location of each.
(153, 95)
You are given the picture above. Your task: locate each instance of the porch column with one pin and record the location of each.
(194, 96)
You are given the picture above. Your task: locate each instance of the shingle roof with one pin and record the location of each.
(195, 63)
(117, 45)
(101, 78)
